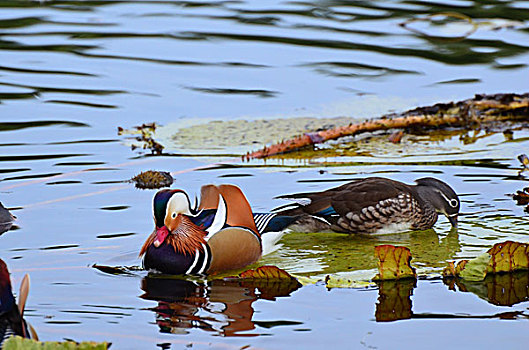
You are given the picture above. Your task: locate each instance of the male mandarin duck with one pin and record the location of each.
(373, 205)
(221, 234)
(11, 314)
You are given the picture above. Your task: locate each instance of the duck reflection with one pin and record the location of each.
(499, 289)
(221, 306)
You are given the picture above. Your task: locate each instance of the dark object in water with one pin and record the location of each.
(522, 197)
(152, 179)
(145, 137)
(524, 160)
(6, 219)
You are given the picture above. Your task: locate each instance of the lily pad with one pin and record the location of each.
(503, 257)
(19, 343)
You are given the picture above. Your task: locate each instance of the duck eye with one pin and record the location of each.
(173, 215)
(453, 203)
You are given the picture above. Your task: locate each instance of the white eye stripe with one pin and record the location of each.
(451, 202)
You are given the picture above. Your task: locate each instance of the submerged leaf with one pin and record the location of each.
(393, 263)
(19, 343)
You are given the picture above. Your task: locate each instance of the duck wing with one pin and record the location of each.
(238, 244)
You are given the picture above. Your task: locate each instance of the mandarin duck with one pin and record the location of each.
(217, 235)
(11, 314)
(373, 205)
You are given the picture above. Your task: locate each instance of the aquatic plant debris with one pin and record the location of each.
(152, 179)
(266, 272)
(393, 263)
(144, 136)
(19, 343)
(503, 257)
(471, 113)
(521, 197)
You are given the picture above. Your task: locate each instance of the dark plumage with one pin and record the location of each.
(373, 205)
(6, 219)
(11, 321)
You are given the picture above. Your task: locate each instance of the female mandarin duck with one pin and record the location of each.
(11, 314)
(374, 205)
(219, 235)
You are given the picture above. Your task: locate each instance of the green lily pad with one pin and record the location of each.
(19, 343)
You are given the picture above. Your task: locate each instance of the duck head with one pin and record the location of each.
(441, 196)
(169, 208)
(172, 214)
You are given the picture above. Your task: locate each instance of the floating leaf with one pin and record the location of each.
(151, 179)
(507, 256)
(393, 263)
(396, 137)
(345, 282)
(19, 343)
(475, 269)
(267, 272)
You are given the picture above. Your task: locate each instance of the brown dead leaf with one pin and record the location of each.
(508, 256)
(396, 136)
(521, 197)
(393, 263)
(267, 272)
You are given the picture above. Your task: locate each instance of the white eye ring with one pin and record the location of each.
(453, 202)
(174, 215)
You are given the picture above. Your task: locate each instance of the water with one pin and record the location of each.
(71, 73)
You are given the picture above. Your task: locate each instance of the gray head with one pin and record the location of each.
(441, 196)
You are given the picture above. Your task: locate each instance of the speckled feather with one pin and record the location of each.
(368, 206)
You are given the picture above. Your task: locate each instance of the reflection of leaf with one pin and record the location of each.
(393, 263)
(18, 343)
(394, 302)
(498, 289)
